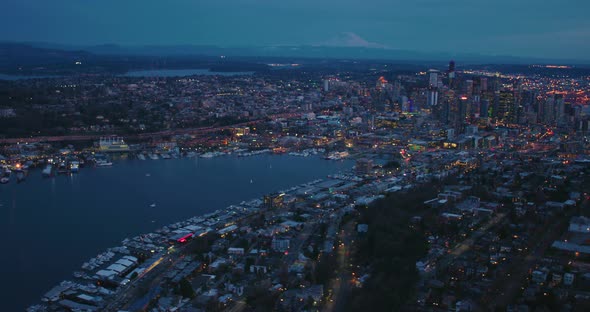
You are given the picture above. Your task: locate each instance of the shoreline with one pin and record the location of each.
(224, 210)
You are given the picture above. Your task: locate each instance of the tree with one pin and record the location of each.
(186, 289)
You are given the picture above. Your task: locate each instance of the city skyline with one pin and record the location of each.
(522, 29)
(264, 155)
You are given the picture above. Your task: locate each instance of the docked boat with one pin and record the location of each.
(4, 180)
(103, 163)
(154, 156)
(20, 176)
(74, 166)
(141, 156)
(166, 156)
(47, 170)
(62, 168)
(6, 172)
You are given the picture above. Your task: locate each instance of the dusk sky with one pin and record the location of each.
(540, 28)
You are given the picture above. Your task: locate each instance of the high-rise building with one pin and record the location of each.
(381, 82)
(433, 78)
(484, 108)
(432, 96)
(468, 87)
(483, 84)
(506, 106)
(405, 103)
(432, 99)
(547, 114)
(463, 109)
(451, 73)
(559, 108)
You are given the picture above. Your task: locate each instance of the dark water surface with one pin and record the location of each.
(50, 226)
(179, 73)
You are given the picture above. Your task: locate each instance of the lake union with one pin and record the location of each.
(51, 226)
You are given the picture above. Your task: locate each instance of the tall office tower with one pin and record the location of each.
(433, 78)
(445, 110)
(380, 101)
(559, 108)
(463, 109)
(476, 86)
(381, 82)
(496, 83)
(432, 97)
(484, 108)
(405, 105)
(418, 100)
(483, 84)
(528, 98)
(548, 114)
(397, 90)
(451, 73)
(326, 85)
(506, 106)
(569, 114)
(577, 111)
(468, 87)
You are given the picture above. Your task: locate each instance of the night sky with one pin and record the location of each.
(541, 28)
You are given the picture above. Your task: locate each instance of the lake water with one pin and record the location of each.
(50, 226)
(143, 73)
(21, 77)
(180, 73)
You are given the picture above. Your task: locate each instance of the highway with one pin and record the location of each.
(95, 137)
(341, 283)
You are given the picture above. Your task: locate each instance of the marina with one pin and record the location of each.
(76, 208)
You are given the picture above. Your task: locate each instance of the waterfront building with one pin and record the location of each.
(112, 144)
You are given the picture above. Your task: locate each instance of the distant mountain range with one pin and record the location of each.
(55, 59)
(26, 54)
(303, 51)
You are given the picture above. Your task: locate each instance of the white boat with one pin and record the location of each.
(74, 166)
(140, 156)
(154, 156)
(153, 205)
(20, 175)
(166, 156)
(103, 163)
(4, 180)
(47, 170)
